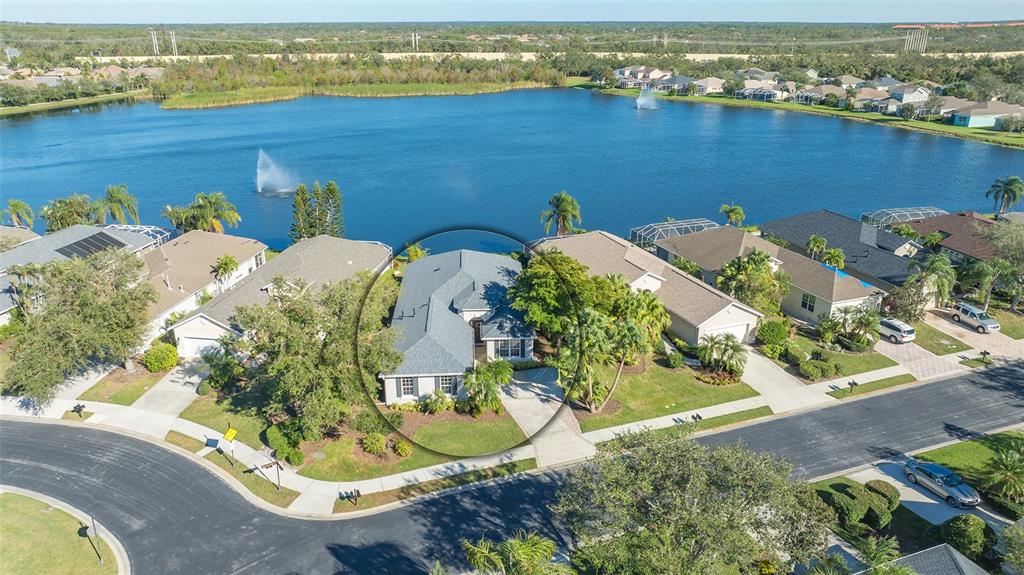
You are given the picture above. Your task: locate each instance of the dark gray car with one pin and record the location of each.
(941, 481)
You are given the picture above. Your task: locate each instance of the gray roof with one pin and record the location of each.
(875, 259)
(434, 338)
(319, 260)
(44, 249)
(19, 234)
(939, 560)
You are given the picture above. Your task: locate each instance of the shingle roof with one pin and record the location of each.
(434, 338)
(712, 249)
(963, 231)
(604, 253)
(18, 234)
(939, 560)
(989, 109)
(875, 259)
(319, 260)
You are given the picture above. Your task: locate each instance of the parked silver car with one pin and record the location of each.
(941, 481)
(974, 317)
(895, 330)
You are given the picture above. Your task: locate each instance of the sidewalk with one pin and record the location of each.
(536, 403)
(780, 390)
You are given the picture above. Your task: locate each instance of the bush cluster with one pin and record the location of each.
(817, 369)
(437, 402)
(204, 387)
(468, 407)
(408, 406)
(717, 378)
(285, 444)
(885, 490)
(968, 534)
(855, 345)
(773, 332)
(160, 357)
(375, 444)
(403, 448)
(675, 360)
(372, 421)
(867, 505)
(774, 350)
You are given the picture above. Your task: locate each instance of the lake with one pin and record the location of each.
(410, 166)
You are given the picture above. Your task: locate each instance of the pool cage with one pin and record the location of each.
(160, 235)
(889, 217)
(645, 236)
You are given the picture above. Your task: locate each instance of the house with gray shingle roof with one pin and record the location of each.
(939, 560)
(452, 312)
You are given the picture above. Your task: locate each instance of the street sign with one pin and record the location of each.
(230, 434)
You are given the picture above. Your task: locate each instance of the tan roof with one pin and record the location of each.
(990, 109)
(712, 249)
(963, 231)
(184, 266)
(870, 94)
(604, 253)
(20, 235)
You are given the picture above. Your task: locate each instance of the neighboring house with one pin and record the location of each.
(21, 83)
(316, 261)
(868, 93)
(909, 93)
(16, 235)
(964, 238)
(888, 106)
(810, 73)
(635, 76)
(75, 241)
(181, 271)
(695, 308)
(984, 114)
(677, 83)
(885, 82)
(815, 288)
(847, 81)
(951, 104)
(761, 94)
(939, 560)
(151, 72)
(111, 73)
(816, 94)
(876, 256)
(453, 311)
(754, 84)
(709, 85)
(759, 74)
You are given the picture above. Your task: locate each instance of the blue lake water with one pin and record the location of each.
(410, 166)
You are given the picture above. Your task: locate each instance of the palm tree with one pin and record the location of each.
(208, 212)
(865, 322)
(834, 257)
(483, 383)
(987, 274)
(733, 214)
(832, 564)
(587, 345)
(119, 204)
(1004, 473)
(1005, 193)
(223, 268)
(904, 230)
(628, 340)
(936, 273)
(932, 240)
(816, 245)
(722, 352)
(687, 266)
(19, 212)
(526, 553)
(877, 551)
(845, 316)
(564, 211)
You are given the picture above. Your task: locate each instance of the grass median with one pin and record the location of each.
(253, 479)
(873, 386)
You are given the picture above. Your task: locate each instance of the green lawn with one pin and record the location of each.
(345, 461)
(969, 457)
(121, 387)
(466, 438)
(253, 480)
(238, 410)
(72, 416)
(36, 538)
(659, 391)
(1011, 324)
(183, 441)
(975, 362)
(936, 341)
(849, 363)
(384, 497)
(874, 386)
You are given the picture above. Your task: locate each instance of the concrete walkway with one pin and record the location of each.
(536, 403)
(781, 391)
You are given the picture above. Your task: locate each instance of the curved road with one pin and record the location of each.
(174, 516)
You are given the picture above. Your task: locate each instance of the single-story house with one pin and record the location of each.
(876, 256)
(75, 241)
(816, 94)
(319, 260)
(695, 308)
(754, 84)
(452, 312)
(939, 560)
(984, 114)
(181, 271)
(810, 73)
(759, 74)
(815, 288)
(678, 83)
(14, 236)
(868, 93)
(847, 81)
(110, 72)
(885, 82)
(964, 238)
(709, 85)
(761, 94)
(909, 93)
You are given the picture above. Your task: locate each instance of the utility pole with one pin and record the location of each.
(156, 43)
(174, 44)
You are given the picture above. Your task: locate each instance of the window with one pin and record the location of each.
(259, 259)
(807, 302)
(406, 386)
(509, 348)
(447, 384)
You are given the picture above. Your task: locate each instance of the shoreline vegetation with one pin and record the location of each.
(984, 135)
(133, 95)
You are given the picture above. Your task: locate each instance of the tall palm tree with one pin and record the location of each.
(877, 551)
(904, 230)
(208, 212)
(1005, 193)
(987, 274)
(628, 340)
(119, 204)
(586, 346)
(1004, 473)
(932, 240)
(832, 564)
(19, 213)
(834, 257)
(733, 214)
(816, 245)
(565, 210)
(483, 383)
(864, 322)
(223, 268)
(934, 274)
(526, 553)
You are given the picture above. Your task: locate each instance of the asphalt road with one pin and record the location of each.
(173, 516)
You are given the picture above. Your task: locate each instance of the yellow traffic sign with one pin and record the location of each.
(230, 434)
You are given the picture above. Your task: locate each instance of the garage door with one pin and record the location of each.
(740, 331)
(194, 346)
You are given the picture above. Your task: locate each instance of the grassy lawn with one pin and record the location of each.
(873, 386)
(468, 438)
(72, 416)
(238, 410)
(253, 480)
(36, 538)
(384, 497)
(937, 341)
(849, 363)
(1010, 324)
(344, 460)
(969, 457)
(121, 387)
(975, 362)
(183, 441)
(656, 392)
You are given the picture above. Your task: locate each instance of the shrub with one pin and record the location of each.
(675, 360)
(717, 378)
(521, 364)
(773, 350)
(886, 491)
(224, 369)
(408, 406)
(204, 387)
(851, 510)
(375, 444)
(160, 357)
(403, 448)
(878, 516)
(395, 418)
(369, 421)
(968, 534)
(816, 369)
(9, 330)
(468, 407)
(794, 355)
(285, 443)
(773, 332)
(854, 345)
(437, 402)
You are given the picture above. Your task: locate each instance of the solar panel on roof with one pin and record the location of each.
(85, 247)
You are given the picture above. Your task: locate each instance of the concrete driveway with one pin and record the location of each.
(535, 402)
(1001, 345)
(920, 500)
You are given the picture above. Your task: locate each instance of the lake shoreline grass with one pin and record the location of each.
(73, 103)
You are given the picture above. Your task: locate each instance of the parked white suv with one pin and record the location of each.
(974, 317)
(895, 330)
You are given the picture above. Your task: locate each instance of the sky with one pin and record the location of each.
(239, 11)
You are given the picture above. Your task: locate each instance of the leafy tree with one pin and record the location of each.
(119, 204)
(752, 280)
(85, 311)
(987, 274)
(904, 230)
(414, 252)
(932, 240)
(1004, 473)
(653, 503)
(906, 303)
(968, 534)
(722, 352)
(224, 267)
(564, 213)
(834, 257)
(1006, 193)
(526, 553)
(63, 213)
(816, 245)
(1013, 539)
(586, 346)
(483, 384)
(552, 291)
(934, 275)
(908, 111)
(687, 266)
(19, 213)
(208, 212)
(877, 551)
(733, 214)
(300, 211)
(832, 564)
(1008, 238)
